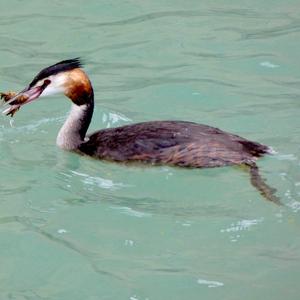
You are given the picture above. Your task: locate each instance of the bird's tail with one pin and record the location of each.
(260, 184)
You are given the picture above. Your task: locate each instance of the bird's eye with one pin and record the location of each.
(46, 83)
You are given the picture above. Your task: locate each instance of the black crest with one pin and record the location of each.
(62, 66)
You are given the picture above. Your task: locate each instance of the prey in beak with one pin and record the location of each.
(16, 100)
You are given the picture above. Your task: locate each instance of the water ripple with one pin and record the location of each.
(293, 27)
(12, 20)
(263, 33)
(221, 56)
(244, 13)
(210, 283)
(131, 212)
(99, 181)
(28, 223)
(141, 83)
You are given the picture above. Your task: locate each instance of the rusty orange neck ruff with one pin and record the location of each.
(79, 89)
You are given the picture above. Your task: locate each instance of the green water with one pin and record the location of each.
(74, 228)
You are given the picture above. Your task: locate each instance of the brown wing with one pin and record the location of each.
(172, 142)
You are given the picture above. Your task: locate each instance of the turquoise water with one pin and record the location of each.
(75, 228)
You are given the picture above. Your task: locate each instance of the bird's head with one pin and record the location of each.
(65, 77)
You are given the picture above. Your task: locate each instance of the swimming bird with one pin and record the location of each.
(177, 143)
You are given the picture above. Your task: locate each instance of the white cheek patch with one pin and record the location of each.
(56, 86)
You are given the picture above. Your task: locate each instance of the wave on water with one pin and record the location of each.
(99, 181)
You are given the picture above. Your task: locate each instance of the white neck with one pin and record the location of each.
(72, 133)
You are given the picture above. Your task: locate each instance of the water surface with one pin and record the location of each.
(75, 228)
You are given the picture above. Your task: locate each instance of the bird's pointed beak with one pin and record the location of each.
(28, 95)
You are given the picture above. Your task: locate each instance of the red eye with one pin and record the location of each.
(46, 82)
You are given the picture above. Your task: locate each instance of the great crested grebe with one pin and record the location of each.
(178, 143)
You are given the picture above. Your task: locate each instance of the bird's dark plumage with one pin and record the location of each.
(179, 143)
(62, 66)
(172, 142)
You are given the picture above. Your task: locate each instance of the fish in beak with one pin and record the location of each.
(26, 96)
